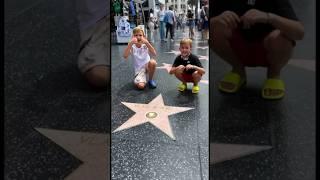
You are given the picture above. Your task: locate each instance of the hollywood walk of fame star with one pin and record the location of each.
(156, 113)
(91, 148)
(165, 66)
(204, 81)
(203, 58)
(224, 152)
(308, 64)
(174, 52)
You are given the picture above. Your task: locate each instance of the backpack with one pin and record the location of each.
(166, 18)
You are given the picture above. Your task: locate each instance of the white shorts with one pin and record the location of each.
(141, 76)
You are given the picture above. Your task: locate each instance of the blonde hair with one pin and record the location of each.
(137, 29)
(186, 41)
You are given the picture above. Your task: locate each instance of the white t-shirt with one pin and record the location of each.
(161, 15)
(140, 57)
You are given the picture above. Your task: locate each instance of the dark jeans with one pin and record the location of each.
(170, 27)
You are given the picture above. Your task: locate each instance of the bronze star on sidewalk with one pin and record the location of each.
(155, 113)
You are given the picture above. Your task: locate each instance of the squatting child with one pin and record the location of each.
(187, 67)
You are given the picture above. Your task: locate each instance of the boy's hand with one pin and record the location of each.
(181, 68)
(229, 19)
(133, 41)
(189, 66)
(253, 16)
(144, 40)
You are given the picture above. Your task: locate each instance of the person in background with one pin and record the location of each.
(161, 14)
(204, 15)
(170, 19)
(191, 24)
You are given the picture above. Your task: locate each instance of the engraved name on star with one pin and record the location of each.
(156, 113)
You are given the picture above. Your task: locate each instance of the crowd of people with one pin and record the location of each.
(168, 21)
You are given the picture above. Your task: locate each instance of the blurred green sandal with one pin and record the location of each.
(234, 79)
(273, 89)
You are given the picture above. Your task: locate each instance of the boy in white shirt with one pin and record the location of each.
(139, 47)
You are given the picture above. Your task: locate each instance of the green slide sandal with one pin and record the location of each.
(273, 89)
(232, 79)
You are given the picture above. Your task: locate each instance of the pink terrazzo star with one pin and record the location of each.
(155, 113)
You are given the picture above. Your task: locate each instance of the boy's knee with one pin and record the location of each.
(152, 63)
(178, 72)
(98, 76)
(140, 85)
(196, 75)
(276, 42)
(220, 36)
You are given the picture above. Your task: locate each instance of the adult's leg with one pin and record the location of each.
(172, 31)
(161, 29)
(167, 29)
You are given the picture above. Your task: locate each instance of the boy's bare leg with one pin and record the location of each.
(221, 46)
(179, 76)
(141, 85)
(151, 68)
(279, 50)
(196, 78)
(98, 76)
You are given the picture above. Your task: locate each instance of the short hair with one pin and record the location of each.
(138, 29)
(186, 41)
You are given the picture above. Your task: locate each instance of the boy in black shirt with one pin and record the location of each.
(187, 67)
(254, 33)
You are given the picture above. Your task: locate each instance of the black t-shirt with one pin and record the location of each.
(280, 7)
(192, 59)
